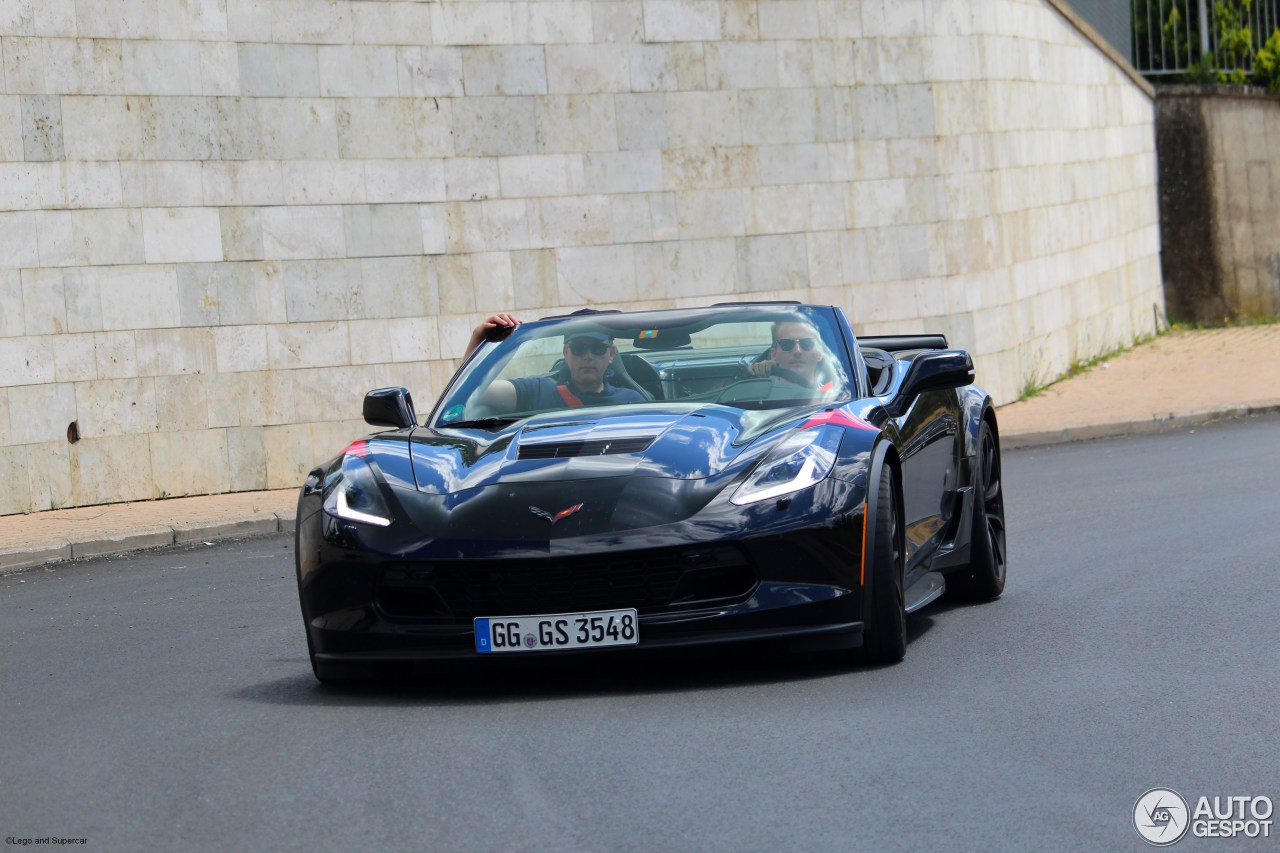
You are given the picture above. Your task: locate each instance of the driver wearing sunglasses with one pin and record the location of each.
(795, 355)
(587, 355)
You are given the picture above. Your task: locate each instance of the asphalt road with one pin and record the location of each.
(164, 700)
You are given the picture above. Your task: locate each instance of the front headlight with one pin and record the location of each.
(357, 497)
(799, 461)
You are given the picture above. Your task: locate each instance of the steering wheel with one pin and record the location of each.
(758, 388)
(790, 376)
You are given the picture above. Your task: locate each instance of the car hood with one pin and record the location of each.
(684, 443)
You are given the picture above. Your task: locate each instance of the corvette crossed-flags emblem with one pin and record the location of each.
(564, 513)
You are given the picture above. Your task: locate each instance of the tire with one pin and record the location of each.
(884, 639)
(324, 673)
(983, 579)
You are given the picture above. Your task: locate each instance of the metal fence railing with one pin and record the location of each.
(1169, 36)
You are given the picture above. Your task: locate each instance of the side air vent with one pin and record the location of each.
(599, 447)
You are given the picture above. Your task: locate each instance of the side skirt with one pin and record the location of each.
(926, 588)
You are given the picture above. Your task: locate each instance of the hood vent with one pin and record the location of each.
(595, 447)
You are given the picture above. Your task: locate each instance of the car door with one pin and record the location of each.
(927, 439)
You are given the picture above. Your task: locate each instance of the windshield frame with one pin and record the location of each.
(484, 364)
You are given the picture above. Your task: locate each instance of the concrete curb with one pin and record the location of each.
(20, 559)
(14, 560)
(267, 522)
(152, 537)
(1119, 429)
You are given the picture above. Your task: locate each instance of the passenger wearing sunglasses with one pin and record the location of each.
(587, 355)
(794, 356)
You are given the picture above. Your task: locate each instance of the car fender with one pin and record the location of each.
(882, 453)
(975, 404)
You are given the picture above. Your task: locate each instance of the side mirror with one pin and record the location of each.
(939, 370)
(391, 407)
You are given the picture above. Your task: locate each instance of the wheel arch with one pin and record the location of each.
(882, 453)
(989, 415)
(883, 634)
(976, 407)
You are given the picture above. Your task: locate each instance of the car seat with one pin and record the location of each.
(879, 370)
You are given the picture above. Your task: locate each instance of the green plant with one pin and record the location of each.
(1204, 71)
(1176, 33)
(1233, 55)
(1162, 35)
(1235, 39)
(1266, 66)
(1082, 365)
(1032, 386)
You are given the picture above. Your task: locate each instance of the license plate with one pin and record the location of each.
(557, 631)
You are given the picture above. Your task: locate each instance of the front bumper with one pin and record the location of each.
(655, 636)
(380, 596)
(353, 614)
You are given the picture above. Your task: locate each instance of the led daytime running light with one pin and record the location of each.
(345, 511)
(801, 460)
(357, 480)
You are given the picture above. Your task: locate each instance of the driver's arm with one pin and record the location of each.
(760, 368)
(499, 397)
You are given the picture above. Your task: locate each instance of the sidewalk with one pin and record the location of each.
(1178, 380)
(1175, 381)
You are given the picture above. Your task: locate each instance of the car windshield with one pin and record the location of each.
(755, 358)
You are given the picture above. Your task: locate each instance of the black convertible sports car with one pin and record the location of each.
(655, 480)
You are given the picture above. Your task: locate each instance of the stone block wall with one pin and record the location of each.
(221, 221)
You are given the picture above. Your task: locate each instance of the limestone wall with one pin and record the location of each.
(221, 221)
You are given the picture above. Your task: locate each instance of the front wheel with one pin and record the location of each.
(983, 578)
(884, 639)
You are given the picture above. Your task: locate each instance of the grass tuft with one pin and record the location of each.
(1227, 323)
(1033, 385)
